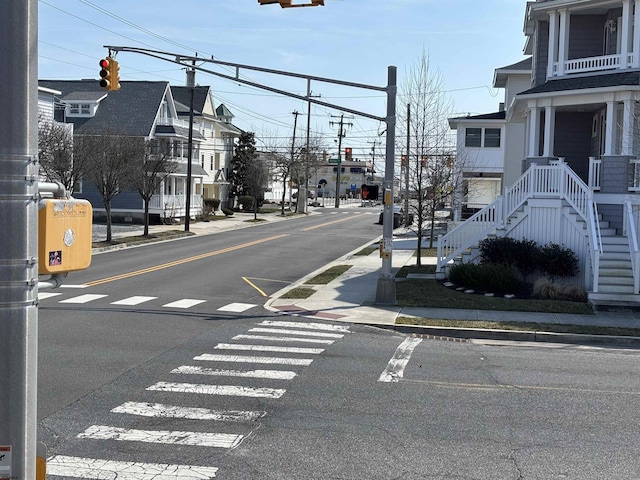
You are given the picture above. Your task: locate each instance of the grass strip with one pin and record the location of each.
(142, 239)
(428, 293)
(328, 275)
(299, 293)
(521, 326)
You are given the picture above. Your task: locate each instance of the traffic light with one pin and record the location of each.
(403, 161)
(109, 74)
(348, 154)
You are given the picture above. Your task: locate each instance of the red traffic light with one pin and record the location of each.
(104, 63)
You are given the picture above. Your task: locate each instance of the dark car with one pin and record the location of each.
(398, 217)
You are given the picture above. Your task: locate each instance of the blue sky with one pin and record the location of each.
(351, 40)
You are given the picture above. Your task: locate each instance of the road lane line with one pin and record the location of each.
(395, 367)
(310, 326)
(160, 410)
(223, 390)
(296, 332)
(268, 348)
(260, 291)
(249, 359)
(197, 439)
(98, 469)
(270, 374)
(182, 261)
(269, 338)
(330, 223)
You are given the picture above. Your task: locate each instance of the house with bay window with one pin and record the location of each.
(140, 109)
(578, 170)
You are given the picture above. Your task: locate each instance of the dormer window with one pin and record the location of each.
(82, 104)
(81, 109)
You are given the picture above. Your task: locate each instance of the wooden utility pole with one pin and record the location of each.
(341, 133)
(293, 152)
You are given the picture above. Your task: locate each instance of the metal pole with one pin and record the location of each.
(339, 169)
(191, 83)
(386, 287)
(406, 169)
(19, 236)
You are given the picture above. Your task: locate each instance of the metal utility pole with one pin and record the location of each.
(341, 134)
(406, 169)
(303, 190)
(293, 151)
(18, 237)
(191, 83)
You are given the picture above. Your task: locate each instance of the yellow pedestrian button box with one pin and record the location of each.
(64, 235)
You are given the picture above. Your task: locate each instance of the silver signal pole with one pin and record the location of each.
(18, 237)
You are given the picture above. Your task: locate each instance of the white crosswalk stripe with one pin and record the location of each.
(236, 307)
(296, 332)
(98, 469)
(270, 338)
(268, 374)
(268, 348)
(184, 303)
(43, 295)
(200, 439)
(223, 390)
(160, 410)
(133, 300)
(306, 326)
(89, 297)
(207, 357)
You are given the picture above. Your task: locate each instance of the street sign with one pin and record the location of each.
(334, 160)
(353, 187)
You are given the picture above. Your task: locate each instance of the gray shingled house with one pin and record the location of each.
(579, 160)
(142, 109)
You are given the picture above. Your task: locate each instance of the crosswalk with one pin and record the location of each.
(268, 360)
(136, 300)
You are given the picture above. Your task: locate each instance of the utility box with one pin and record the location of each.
(64, 235)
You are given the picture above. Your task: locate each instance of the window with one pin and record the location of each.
(85, 109)
(202, 161)
(492, 137)
(473, 137)
(74, 109)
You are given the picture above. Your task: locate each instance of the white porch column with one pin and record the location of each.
(625, 34)
(627, 127)
(563, 41)
(553, 43)
(549, 125)
(610, 128)
(636, 35)
(534, 131)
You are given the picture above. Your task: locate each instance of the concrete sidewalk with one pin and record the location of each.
(351, 297)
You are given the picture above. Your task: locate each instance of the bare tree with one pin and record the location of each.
(55, 153)
(432, 169)
(256, 180)
(148, 172)
(109, 160)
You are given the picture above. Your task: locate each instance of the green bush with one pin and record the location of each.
(227, 211)
(246, 203)
(487, 277)
(521, 254)
(557, 261)
(211, 204)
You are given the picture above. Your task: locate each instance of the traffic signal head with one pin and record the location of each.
(109, 74)
(348, 154)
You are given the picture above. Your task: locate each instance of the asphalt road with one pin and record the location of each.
(170, 389)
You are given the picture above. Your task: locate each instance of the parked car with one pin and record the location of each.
(398, 216)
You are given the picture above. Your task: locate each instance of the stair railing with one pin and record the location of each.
(632, 236)
(548, 181)
(595, 241)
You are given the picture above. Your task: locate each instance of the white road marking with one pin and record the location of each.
(64, 285)
(160, 410)
(249, 359)
(269, 338)
(88, 297)
(271, 374)
(224, 390)
(133, 300)
(43, 295)
(98, 469)
(184, 303)
(198, 439)
(310, 326)
(268, 348)
(296, 332)
(395, 367)
(236, 307)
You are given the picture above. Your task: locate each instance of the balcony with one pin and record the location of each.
(593, 64)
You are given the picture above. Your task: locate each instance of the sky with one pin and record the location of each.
(348, 40)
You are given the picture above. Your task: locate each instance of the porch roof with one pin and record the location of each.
(631, 79)
(196, 170)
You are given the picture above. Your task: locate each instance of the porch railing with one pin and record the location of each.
(595, 169)
(539, 181)
(631, 227)
(634, 183)
(591, 64)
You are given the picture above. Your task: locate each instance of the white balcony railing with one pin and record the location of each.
(634, 175)
(595, 167)
(594, 64)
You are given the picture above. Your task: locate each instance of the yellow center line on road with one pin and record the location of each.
(330, 223)
(182, 261)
